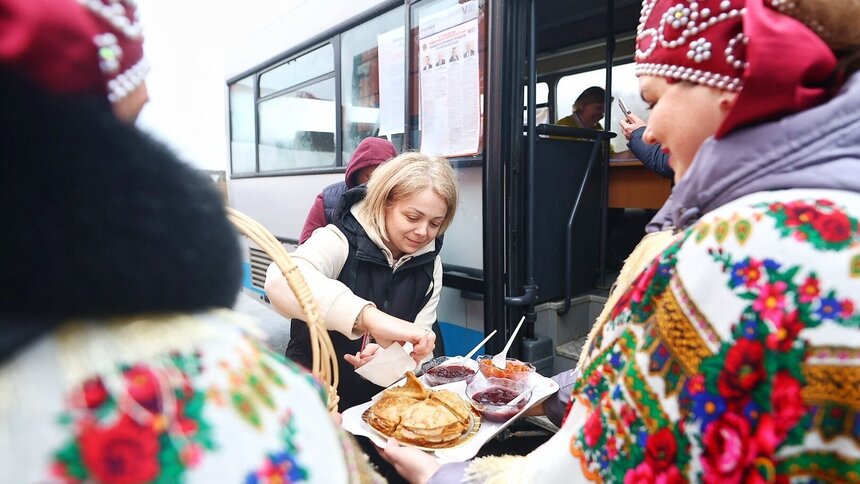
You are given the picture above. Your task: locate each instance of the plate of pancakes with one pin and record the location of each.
(439, 420)
(420, 417)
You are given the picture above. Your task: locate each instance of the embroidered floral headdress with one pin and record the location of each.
(74, 46)
(777, 64)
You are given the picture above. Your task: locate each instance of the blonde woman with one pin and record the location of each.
(376, 268)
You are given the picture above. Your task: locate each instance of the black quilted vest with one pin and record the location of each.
(401, 293)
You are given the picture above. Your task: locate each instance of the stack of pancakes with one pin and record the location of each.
(416, 415)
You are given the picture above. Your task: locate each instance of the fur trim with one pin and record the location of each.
(496, 470)
(99, 219)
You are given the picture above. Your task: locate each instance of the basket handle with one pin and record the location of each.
(324, 362)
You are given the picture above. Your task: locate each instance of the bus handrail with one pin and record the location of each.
(599, 136)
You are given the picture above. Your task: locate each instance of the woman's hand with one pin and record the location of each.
(415, 466)
(387, 329)
(628, 127)
(362, 357)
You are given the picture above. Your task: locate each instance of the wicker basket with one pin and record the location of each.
(324, 364)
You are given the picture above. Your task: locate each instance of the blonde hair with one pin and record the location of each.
(404, 176)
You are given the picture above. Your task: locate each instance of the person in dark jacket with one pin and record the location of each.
(651, 155)
(369, 154)
(118, 350)
(376, 265)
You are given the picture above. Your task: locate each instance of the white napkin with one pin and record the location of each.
(389, 365)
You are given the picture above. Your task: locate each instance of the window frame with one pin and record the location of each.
(333, 36)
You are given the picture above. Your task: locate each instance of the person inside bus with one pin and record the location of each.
(369, 154)
(376, 264)
(651, 155)
(588, 109)
(119, 358)
(725, 358)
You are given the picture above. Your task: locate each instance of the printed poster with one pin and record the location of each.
(450, 82)
(392, 67)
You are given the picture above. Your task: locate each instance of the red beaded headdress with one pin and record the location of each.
(74, 46)
(776, 63)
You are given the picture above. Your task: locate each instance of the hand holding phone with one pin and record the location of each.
(624, 110)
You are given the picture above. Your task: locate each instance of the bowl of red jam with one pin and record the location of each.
(514, 369)
(445, 369)
(490, 397)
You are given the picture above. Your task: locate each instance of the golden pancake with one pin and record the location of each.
(413, 414)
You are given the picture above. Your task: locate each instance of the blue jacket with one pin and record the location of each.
(650, 155)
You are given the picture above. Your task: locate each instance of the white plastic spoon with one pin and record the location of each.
(500, 360)
(476, 348)
(521, 396)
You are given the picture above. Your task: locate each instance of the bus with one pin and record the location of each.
(481, 82)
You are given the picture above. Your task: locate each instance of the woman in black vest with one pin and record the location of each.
(376, 268)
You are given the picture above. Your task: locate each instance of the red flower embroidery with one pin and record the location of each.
(847, 308)
(799, 213)
(788, 407)
(766, 439)
(743, 369)
(641, 474)
(833, 227)
(771, 301)
(94, 393)
(593, 429)
(644, 474)
(628, 415)
(611, 448)
(727, 449)
(124, 453)
(809, 290)
(643, 282)
(143, 386)
(786, 333)
(661, 449)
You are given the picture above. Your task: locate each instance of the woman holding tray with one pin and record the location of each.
(734, 354)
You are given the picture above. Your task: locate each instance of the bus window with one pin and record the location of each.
(242, 149)
(315, 63)
(297, 113)
(624, 84)
(541, 103)
(297, 128)
(365, 50)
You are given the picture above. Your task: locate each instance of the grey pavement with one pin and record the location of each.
(275, 326)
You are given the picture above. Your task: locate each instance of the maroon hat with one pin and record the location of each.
(74, 47)
(370, 152)
(777, 64)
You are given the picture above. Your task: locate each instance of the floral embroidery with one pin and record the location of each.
(283, 466)
(821, 222)
(249, 385)
(150, 429)
(742, 399)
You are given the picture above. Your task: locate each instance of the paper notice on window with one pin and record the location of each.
(391, 81)
(450, 90)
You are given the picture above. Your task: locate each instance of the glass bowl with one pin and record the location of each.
(447, 369)
(490, 397)
(514, 369)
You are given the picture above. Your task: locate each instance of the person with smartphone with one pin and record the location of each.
(651, 155)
